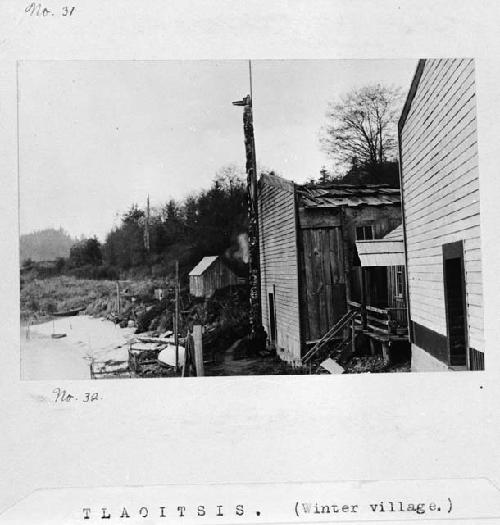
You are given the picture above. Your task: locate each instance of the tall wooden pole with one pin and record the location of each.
(176, 318)
(118, 304)
(146, 229)
(253, 212)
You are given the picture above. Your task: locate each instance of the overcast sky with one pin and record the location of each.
(97, 136)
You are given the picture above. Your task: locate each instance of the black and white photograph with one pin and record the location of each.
(245, 248)
(225, 218)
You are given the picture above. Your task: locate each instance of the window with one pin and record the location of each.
(364, 233)
(400, 281)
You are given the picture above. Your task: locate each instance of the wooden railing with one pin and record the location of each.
(391, 322)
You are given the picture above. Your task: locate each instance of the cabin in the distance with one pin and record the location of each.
(211, 274)
(308, 260)
(440, 191)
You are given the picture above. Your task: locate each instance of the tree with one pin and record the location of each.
(362, 127)
(125, 244)
(84, 252)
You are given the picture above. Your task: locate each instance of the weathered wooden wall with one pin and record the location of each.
(322, 282)
(327, 249)
(441, 192)
(278, 259)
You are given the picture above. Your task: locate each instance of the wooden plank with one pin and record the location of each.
(303, 297)
(327, 277)
(198, 349)
(374, 309)
(312, 332)
(320, 282)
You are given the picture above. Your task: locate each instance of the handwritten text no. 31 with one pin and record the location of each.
(38, 10)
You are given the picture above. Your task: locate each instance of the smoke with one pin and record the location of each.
(242, 252)
(238, 252)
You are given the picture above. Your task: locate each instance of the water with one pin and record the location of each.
(87, 338)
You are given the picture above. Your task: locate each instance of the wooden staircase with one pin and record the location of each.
(332, 334)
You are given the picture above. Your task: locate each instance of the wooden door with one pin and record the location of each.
(272, 316)
(455, 303)
(323, 291)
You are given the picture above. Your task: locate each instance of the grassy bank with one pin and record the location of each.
(40, 298)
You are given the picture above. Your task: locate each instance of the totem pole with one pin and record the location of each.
(253, 218)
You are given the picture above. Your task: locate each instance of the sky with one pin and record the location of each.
(97, 136)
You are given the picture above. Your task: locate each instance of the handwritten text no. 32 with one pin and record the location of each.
(62, 396)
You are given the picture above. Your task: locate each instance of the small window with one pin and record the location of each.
(364, 233)
(400, 281)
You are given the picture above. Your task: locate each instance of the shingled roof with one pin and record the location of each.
(333, 195)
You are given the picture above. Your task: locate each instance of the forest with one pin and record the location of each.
(147, 243)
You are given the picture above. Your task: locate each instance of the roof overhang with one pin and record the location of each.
(381, 252)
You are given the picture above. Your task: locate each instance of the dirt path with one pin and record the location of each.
(236, 362)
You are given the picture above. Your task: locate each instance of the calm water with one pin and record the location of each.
(43, 357)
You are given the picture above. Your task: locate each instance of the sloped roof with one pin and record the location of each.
(388, 251)
(396, 234)
(203, 265)
(332, 195)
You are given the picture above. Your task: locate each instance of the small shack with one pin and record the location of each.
(209, 275)
(440, 188)
(309, 265)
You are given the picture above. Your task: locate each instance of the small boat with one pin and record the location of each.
(58, 336)
(69, 313)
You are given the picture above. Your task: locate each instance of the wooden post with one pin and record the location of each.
(353, 336)
(385, 352)
(176, 317)
(146, 228)
(363, 298)
(345, 254)
(390, 323)
(198, 349)
(118, 304)
(186, 355)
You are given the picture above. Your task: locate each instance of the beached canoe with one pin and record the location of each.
(69, 313)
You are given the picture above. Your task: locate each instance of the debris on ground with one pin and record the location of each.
(331, 367)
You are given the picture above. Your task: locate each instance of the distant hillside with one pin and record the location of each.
(45, 245)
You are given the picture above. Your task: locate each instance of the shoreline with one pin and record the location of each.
(88, 340)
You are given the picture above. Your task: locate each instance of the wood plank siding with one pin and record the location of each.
(214, 277)
(440, 191)
(329, 275)
(278, 262)
(322, 280)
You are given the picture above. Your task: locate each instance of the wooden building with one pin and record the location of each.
(440, 190)
(382, 310)
(309, 265)
(209, 275)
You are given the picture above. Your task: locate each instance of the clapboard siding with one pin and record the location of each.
(278, 260)
(441, 192)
